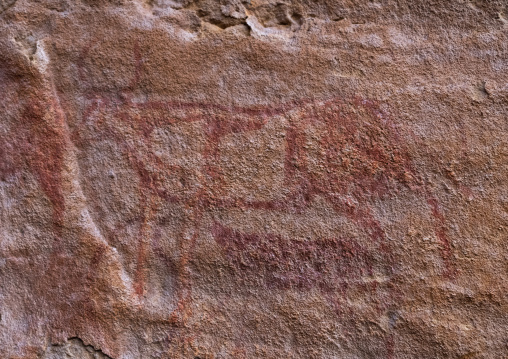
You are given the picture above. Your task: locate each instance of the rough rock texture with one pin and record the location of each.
(253, 179)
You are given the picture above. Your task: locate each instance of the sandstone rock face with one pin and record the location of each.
(253, 179)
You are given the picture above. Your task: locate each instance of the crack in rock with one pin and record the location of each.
(74, 348)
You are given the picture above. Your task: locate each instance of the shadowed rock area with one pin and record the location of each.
(253, 179)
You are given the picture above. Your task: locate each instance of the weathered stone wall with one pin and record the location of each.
(253, 179)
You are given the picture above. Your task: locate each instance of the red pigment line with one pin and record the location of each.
(148, 183)
(335, 267)
(294, 155)
(287, 263)
(256, 110)
(441, 233)
(390, 346)
(252, 110)
(211, 108)
(138, 65)
(265, 110)
(81, 58)
(184, 310)
(139, 277)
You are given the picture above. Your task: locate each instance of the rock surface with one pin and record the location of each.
(253, 179)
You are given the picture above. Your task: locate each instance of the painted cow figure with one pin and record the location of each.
(283, 198)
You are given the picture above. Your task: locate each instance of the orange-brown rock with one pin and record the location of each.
(253, 179)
